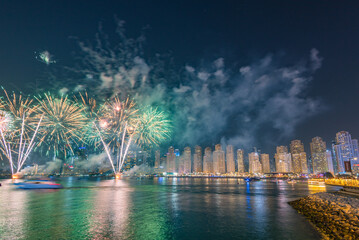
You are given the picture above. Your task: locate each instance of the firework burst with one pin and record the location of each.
(62, 125)
(17, 130)
(153, 126)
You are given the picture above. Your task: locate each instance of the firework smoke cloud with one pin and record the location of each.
(263, 97)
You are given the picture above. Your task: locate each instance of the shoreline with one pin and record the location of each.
(334, 215)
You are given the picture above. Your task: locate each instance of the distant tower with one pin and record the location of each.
(283, 160)
(207, 160)
(219, 165)
(240, 160)
(231, 166)
(255, 165)
(171, 160)
(197, 159)
(157, 159)
(187, 158)
(319, 156)
(177, 160)
(265, 162)
(299, 157)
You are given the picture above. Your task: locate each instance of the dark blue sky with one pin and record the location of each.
(194, 31)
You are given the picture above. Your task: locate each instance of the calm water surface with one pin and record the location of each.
(157, 208)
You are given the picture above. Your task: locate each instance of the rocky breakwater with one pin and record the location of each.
(335, 215)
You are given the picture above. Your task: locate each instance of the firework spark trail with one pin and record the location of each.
(30, 146)
(106, 148)
(8, 153)
(23, 151)
(20, 152)
(125, 154)
(122, 143)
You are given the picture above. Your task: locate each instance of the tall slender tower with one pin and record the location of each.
(319, 156)
(187, 158)
(240, 160)
(157, 159)
(207, 160)
(265, 163)
(231, 166)
(219, 165)
(299, 157)
(283, 160)
(171, 160)
(255, 165)
(197, 159)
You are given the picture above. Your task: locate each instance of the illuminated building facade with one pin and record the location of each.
(171, 160)
(207, 160)
(157, 159)
(255, 165)
(240, 160)
(299, 157)
(346, 151)
(177, 160)
(265, 162)
(187, 160)
(319, 155)
(231, 166)
(219, 165)
(283, 160)
(197, 160)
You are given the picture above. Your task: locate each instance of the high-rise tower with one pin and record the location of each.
(207, 160)
(197, 159)
(219, 165)
(283, 160)
(319, 156)
(187, 159)
(265, 163)
(346, 152)
(240, 160)
(299, 157)
(231, 166)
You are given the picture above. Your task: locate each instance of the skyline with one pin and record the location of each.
(321, 157)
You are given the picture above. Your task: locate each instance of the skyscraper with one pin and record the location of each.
(157, 159)
(219, 165)
(299, 157)
(265, 163)
(240, 160)
(346, 151)
(255, 165)
(177, 160)
(319, 156)
(197, 159)
(283, 160)
(181, 164)
(187, 159)
(231, 166)
(171, 159)
(207, 160)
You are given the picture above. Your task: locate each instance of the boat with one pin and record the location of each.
(291, 181)
(249, 179)
(38, 184)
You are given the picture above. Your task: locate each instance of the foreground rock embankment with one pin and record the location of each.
(337, 216)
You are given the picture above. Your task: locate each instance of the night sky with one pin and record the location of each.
(196, 33)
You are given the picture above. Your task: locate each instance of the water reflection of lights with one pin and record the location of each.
(111, 210)
(12, 211)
